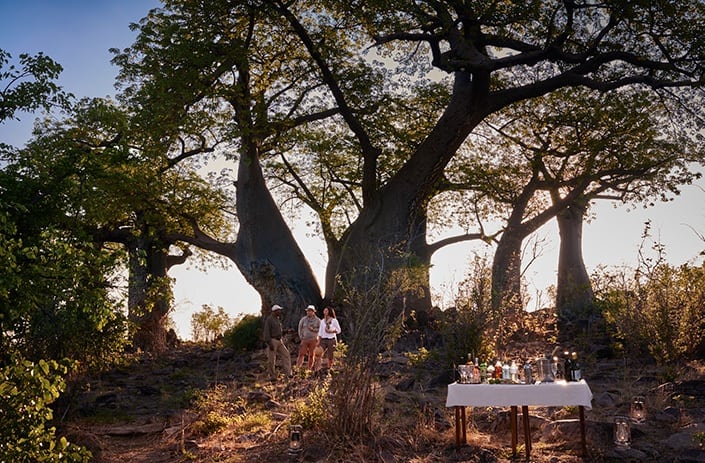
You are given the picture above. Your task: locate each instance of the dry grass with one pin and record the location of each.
(245, 419)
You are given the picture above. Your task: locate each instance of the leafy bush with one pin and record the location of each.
(656, 308)
(245, 334)
(26, 391)
(56, 301)
(468, 328)
(312, 412)
(207, 324)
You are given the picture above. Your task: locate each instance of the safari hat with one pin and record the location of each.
(277, 307)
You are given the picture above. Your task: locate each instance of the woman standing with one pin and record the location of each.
(328, 334)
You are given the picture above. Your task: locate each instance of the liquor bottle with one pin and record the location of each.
(498, 370)
(577, 372)
(483, 372)
(513, 372)
(567, 367)
(506, 376)
(476, 371)
(528, 373)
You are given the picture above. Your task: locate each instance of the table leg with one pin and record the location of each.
(457, 426)
(527, 431)
(581, 412)
(513, 427)
(461, 436)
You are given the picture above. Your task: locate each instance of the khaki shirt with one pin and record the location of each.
(272, 328)
(308, 327)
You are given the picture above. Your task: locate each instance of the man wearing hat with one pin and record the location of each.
(272, 335)
(308, 330)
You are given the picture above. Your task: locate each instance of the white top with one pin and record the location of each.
(559, 393)
(329, 328)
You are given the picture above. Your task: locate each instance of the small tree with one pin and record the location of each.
(472, 326)
(207, 325)
(371, 325)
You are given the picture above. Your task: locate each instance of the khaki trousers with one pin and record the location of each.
(306, 350)
(282, 352)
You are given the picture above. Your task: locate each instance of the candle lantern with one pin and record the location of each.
(637, 411)
(296, 440)
(622, 432)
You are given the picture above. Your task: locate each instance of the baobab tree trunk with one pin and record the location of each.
(574, 295)
(266, 252)
(506, 274)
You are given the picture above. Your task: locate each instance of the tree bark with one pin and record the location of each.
(266, 252)
(574, 293)
(150, 296)
(506, 273)
(390, 232)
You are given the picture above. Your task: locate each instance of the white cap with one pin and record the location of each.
(277, 307)
(311, 307)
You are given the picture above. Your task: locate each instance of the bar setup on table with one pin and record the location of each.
(472, 391)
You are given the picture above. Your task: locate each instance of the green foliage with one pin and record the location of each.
(26, 391)
(211, 423)
(253, 422)
(55, 301)
(207, 325)
(221, 408)
(419, 358)
(312, 412)
(467, 328)
(245, 334)
(55, 292)
(29, 84)
(656, 308)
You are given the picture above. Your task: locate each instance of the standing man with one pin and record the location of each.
(272, 334)
(308, 331)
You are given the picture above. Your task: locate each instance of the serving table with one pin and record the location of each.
(559, 393)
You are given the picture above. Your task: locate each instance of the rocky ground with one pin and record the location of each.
(208, 404)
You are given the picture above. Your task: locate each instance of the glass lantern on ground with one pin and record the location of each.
(296, 439)
(622, 432)
(637, 410)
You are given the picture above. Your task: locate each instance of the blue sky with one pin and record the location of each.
(75, 33)
(78, 35)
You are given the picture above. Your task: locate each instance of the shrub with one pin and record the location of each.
(656, 308)
(245, 334)
(207, 324)
(26, 391)
(312, 412)
(469, 327)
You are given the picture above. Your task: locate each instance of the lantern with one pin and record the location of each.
(296, 439)
(637, 411)
(622, 432)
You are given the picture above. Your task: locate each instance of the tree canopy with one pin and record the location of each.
(374, 99)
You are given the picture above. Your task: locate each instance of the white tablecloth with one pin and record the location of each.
(559, 393)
